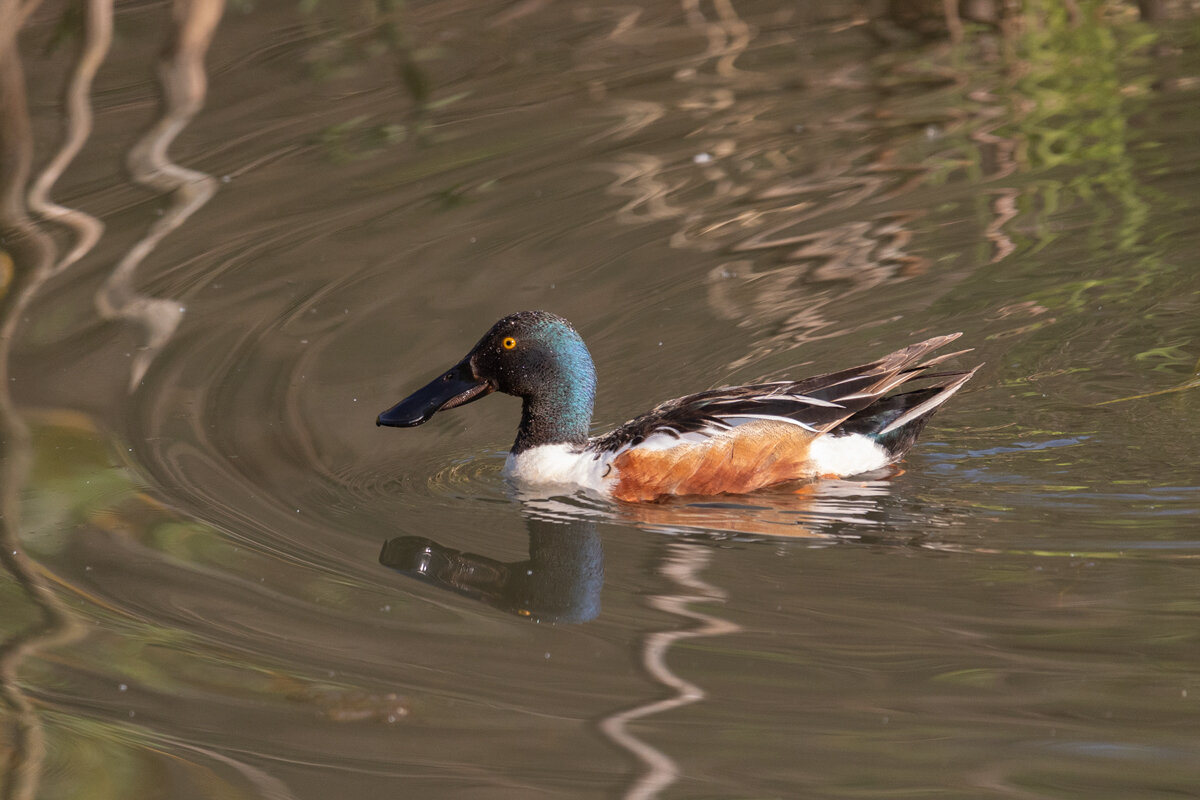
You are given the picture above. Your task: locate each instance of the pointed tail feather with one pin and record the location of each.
(928, 406)
(894, 422)
(864, 388)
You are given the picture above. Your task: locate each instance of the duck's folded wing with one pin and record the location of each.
(817, 404)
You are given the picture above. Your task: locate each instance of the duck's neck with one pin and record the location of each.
(560, 414)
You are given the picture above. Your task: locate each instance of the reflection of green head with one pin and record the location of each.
(560, 582)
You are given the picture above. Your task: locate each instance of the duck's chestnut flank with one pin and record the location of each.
(729, 440)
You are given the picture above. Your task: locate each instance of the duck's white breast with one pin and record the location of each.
(562, 464)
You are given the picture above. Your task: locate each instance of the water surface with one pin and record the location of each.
(196, 495)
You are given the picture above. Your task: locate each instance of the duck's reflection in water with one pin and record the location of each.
(559, 582)
(830, 510)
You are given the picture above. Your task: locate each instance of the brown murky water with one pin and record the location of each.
(196, 496)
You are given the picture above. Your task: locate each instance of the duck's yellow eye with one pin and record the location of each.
(509, 343)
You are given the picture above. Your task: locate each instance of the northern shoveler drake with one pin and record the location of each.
(729, 440)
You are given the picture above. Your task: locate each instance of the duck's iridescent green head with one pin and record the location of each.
(534, 355)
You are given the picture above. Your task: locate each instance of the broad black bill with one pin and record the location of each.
(456, 387)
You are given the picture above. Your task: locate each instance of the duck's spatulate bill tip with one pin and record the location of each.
(456, 387)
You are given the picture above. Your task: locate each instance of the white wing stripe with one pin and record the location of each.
(796, 398)
(771, 418)
(813, 401)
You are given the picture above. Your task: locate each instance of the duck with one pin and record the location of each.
(729, 440)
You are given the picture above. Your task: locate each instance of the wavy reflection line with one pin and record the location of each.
(755, 193)
(859, 255)
(999, 152)
(635, 115)
(641, 178)
(13, 14)
(184, 85)
(1005, 208)
(682, 566)
(728, 38)
(29, 256)
(87, 229)
(23, 767)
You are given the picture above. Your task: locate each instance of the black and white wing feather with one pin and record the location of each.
(817, 404)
